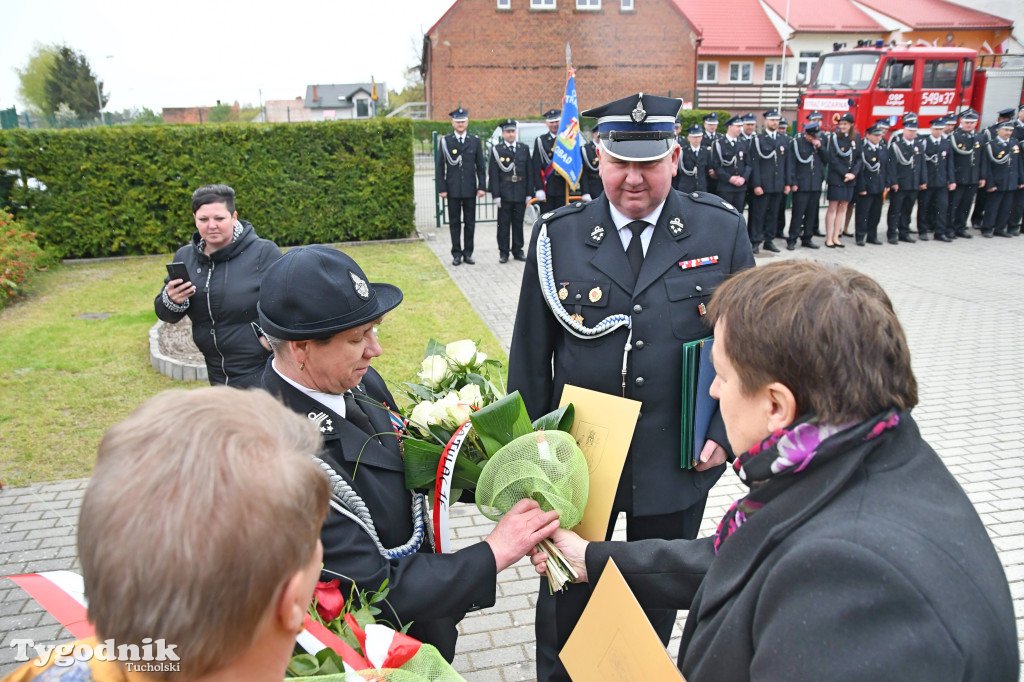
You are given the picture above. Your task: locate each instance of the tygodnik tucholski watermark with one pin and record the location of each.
(152, 656)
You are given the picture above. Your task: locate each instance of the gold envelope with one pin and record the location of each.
(603, 428)
(613, 640)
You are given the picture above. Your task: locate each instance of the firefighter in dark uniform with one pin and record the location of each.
(932, 203)
(967, 153)
(711, 134)
(989, 134)
(807, 173)
(780, 223)
(632, 270)
(694, 160)
(906, 175)
(460, 176)
(843, 166)
(549, 190)
(883, 125)
(508, 174)
(1000, 166)
(729, 159)
(590, 180)
(769, 175)
(1017, 212)
(871, 184)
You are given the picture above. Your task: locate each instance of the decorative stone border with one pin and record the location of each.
(170, 367)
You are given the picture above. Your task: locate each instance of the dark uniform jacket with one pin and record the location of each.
(511, 184)
(709, 138)
(999, 165)
(730, 159)
(554, 186)
(1018, 130)
(590, 182)
(906, 165)
(807, 165)
(967, 153)
(874, 169)
(841, 152)
(938, 158)
(844, 576)
(224, 306)
(769, 162)
(590, 264)
(692, 173)
(461, 171)
(433, 590)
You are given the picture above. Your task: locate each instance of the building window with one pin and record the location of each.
(362, 108)
(805, 67)
(542, 4)
(504, 4)
(773, 72)
(588, 4)
(741, 72)
(627, 6)
(707, 72)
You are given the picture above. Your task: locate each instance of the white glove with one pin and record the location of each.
(497, 202)
(587, 197)
(541, 195)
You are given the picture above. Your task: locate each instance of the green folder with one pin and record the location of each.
(698, 405)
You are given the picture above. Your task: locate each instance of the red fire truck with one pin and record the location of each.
(875, 80)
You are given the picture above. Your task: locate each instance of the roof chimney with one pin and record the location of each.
(314, 93)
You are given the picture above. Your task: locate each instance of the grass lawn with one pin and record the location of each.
(65, 379)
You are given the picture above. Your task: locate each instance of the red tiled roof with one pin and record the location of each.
(743, 31)
(937, 14)
(839, 16)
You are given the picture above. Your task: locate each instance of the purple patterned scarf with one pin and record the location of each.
(787, 452)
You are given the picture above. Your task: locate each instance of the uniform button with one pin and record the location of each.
(699, 288)
(638, 308)
(639, 344)
(639, 381)
(579, 296)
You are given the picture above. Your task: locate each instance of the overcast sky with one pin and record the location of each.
(187, 53)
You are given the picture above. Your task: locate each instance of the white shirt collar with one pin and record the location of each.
(335, 403)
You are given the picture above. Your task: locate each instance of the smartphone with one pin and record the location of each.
(178, 270)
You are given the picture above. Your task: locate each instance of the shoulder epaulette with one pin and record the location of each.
(709, 199)
(562, 211)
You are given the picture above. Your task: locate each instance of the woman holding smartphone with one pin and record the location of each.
(225, 262)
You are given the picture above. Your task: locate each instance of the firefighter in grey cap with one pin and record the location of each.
(611, 290)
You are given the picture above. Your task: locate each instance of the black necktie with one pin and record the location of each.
(355, 414)
(635, 250)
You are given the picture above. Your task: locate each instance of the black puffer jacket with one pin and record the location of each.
(224, 305)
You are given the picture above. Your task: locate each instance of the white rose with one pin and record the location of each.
(457, 414)
(470, 393)
(433, 370)
(463, 352)
(421, 415)
(439, 410)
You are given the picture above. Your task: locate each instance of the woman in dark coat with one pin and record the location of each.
(855, 555)
(225, 261)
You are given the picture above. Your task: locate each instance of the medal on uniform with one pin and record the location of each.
(577, 317)
(595, 294)
(563, 293)
(702, 310)
(455, 151)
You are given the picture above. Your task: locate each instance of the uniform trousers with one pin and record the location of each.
(932, 211)
(764, 216)
(960, 205)
(736, 196)
(997, 211)
(1017, 212)
(805, 216)
(462, 210)
(978, 217)
(510, 219)
(901, 205)
(868, 213)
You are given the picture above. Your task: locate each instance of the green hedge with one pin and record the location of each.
(127, 190)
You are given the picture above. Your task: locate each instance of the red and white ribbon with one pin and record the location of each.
(62, 594)
(443, 487)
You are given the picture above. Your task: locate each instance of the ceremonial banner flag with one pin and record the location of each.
(566, 158)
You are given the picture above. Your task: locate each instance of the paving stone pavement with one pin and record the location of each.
(962, 308)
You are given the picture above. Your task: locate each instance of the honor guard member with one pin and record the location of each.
(623, 283)
(549, 191)
(694, 160)
(1017, 212)
(989, 134)
(883, 125)
(948, 124)
(590, 182)
(807, 173)
(966, 171)
(769, 180)
(460, 175)
(780, 223)
(729, 160)
(871, 184)
(711, 135)
(508, 172)
(749, 126)
(1000, 166)
(906, 178)
(932, 203)
(843, 166)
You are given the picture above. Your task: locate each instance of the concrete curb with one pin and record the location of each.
(169, 367)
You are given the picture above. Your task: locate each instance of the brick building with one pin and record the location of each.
(191, 114)
(507, 57)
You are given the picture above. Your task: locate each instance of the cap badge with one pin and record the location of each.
(360, 285)
(322, 421)
(597, 234)
(676, 226)
(639, 114)
(595, 294)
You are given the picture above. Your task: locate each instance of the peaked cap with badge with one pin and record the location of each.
(636, 128)
(459, 114)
